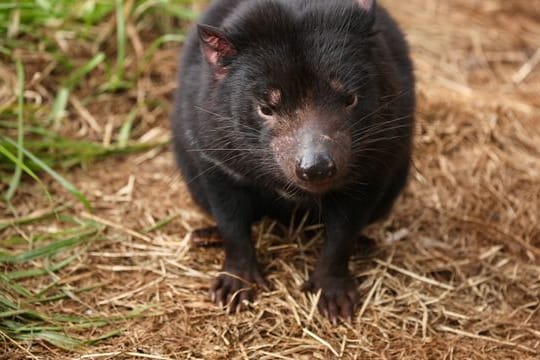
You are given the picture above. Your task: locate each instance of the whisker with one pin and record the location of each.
(211, 112)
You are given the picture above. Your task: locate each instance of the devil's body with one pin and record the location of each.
(238, 167)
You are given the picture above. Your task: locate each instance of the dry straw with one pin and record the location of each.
(456, 270)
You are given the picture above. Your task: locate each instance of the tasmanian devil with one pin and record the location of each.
(288, 105)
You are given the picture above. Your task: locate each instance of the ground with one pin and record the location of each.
(455, 273)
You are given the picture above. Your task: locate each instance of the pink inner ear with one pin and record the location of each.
(211, 54)
(215, 44)
(365, 4)
(220, 46)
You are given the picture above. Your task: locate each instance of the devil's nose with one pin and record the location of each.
(315, 167)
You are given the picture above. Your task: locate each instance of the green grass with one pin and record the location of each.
(34, 147)
(48, 254)
(31, 25)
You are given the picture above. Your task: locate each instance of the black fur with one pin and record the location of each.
(223, 148)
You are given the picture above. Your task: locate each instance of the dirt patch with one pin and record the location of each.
(456, 272)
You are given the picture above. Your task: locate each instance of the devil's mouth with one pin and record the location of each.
(313, 188)
(317, 188)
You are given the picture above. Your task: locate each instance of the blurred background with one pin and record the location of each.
(95, 257)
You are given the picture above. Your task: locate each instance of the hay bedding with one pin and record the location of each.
(456, 270)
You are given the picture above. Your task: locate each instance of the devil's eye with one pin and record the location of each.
(351, 101)
(266, 110)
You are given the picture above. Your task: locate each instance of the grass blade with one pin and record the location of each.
(49, 249)
(59, 178)
(59, 106)
(81, 72)
(57, 339)
(34, 216)
(120, 40)
(14, 287)
(16, 275)
(16, 161)
(117, 79)
(61, 100)
(125, 131)
(16, 179)
(179, 38)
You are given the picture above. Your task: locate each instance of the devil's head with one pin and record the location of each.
(301, 86)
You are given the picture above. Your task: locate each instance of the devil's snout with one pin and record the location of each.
(314, 153)
(315, 166)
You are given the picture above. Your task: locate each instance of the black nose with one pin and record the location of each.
(315, 167)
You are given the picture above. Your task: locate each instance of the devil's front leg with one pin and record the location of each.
(233, 208)
(339, 295)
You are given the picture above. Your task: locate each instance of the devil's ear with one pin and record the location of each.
(215, 46)
(369, 7)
